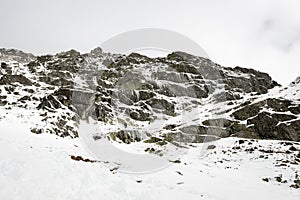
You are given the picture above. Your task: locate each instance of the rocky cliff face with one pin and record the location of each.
(180, 98)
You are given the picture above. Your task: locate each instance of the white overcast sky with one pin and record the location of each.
(259, 34)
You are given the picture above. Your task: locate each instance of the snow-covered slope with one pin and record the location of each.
(57, 110)
(41, 167)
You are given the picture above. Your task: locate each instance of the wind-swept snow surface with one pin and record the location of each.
(46, 166)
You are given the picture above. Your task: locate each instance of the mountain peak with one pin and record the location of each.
(96, 51)
(69, 53)
(16, 55)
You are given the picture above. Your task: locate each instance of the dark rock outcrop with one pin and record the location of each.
(267, 125)
(9, 79)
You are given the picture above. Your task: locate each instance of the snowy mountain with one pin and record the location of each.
(189, 95)
(173, 107)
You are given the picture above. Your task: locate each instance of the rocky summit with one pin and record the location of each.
(180, 98)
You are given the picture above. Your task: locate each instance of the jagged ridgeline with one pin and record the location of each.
(178, 98)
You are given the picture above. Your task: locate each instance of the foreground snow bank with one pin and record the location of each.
(40, 167)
